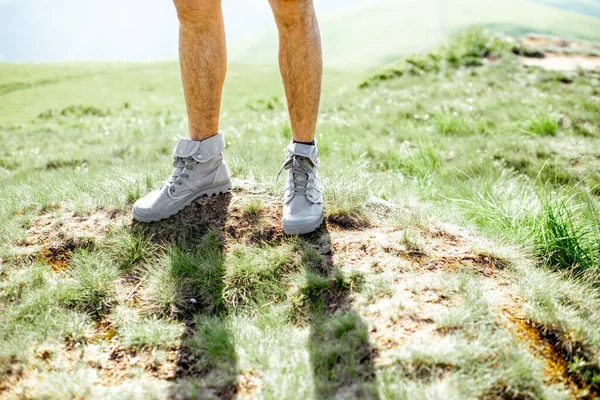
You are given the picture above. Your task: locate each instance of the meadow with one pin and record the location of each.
(459, 258)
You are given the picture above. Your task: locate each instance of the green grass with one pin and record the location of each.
(151, 332)
(506, 152)
(257, 274)
(568, 235)
(542, 124)
(187, 277)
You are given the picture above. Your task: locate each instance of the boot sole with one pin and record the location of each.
(211, 192)
(303, 229)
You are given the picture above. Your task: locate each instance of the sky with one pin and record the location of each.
(127, 30)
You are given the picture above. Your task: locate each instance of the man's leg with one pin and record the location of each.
(301, 66)
(203, 61)
(199, 167)
(300, 62)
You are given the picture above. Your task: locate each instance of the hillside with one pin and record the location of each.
(459, 258)
(381, 31)
(587, 7)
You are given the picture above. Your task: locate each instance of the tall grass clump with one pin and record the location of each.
(187, 277)
(473, 45)
(256, 274)
(542, 124)
(91, 288)
(452, 124)
(346, 205)
(567, 235)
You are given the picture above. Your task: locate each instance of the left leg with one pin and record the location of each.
(301, 67)
(300, 63)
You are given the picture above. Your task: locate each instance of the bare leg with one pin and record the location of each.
(300, 62)
(203, 60)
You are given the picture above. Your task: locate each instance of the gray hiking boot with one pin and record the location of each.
(303, 202)
(200, 170)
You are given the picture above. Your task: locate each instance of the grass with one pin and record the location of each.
(256, 275)
(388, 302)
(92, 287)
(542, 124)
(252, 208)
(187, 278)
(568, 236)
(151, 332)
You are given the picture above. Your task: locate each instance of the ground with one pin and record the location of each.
(384, 299)
(459, 258)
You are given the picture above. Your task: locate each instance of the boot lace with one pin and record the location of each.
(182, 166)
(301, 174)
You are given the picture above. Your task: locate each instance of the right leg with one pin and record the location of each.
(203, 61)
(199, 165)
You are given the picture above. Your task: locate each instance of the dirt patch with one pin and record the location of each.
(563, 62)
(556, 361)
(58, 254)
(264, 227)
(507, 303)
(12, 373)
(53, 236)
(118, 364)
(248, 383)
(558, 54)
(556, 43)
(225, 214)
(374, 249)
(381, 248)
(349, 221)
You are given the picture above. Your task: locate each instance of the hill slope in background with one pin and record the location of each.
(587, 7)
(356, 32)
(372, 34)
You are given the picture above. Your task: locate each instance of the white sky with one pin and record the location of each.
(65, 30)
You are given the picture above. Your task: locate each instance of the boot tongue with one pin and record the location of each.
(299, 175)
(306, 151)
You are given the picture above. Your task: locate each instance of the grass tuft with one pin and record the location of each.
(252, 208)
(92, 288)
(542, 124)
(256, 274)
(151, 332)
(451, 124)
(129, 249)
(568, 235)
(185, 279)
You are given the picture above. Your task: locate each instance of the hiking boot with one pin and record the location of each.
(303, 202)
(200, 170)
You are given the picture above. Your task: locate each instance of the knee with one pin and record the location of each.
(290, 13)
(196, 10)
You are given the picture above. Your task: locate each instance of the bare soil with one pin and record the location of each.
(563, 62)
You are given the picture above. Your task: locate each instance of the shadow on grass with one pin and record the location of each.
(187, 285)
(340, 353)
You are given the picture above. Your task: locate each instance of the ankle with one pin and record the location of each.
(311, 143)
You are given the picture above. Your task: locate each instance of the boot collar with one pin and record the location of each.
(304, 150)
(200, 151)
